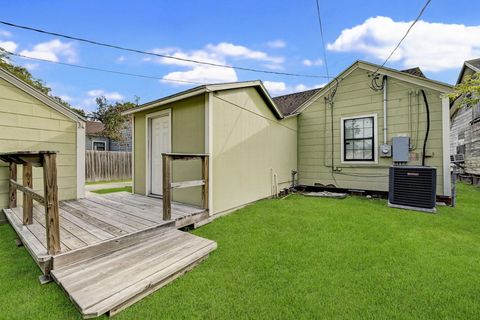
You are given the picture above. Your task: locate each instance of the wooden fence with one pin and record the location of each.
(107, 165)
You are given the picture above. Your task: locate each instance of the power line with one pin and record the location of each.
(323, 39)
(102, 70)
(158, 54)
(405, 35)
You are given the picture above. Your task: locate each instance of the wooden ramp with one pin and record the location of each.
(113, 281)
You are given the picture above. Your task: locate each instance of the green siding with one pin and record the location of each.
(248, 143)
(28, 124)
(355, 98)
(188, 136)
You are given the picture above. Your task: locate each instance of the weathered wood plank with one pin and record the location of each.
(12, 191)
(167, 180)
(27, 198)
(205, 177)
(187, 184)
(35, 196)
(51, 203)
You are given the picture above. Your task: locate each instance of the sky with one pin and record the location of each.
(269, 35)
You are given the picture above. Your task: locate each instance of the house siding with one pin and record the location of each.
(354, 98)
(28, 124)
(188, 136)
(249, 142)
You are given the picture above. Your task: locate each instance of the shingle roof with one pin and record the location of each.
(290, 102)
(415, 72)
(94, 127)
(475, 63)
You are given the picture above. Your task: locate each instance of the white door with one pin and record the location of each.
(159, 143)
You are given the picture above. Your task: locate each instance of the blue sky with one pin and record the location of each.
(271, 35)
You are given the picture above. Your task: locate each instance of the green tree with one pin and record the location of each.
(23, 74)
(468, 90)
(110, 114)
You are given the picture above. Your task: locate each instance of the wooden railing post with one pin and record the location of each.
(51, 203)
(205, 179)
(167, 180)
(12, 189)
(27, 199)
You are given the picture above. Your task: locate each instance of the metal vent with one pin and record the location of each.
(413, 187)
(457, 158)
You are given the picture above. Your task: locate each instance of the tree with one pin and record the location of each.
(468, 90)
(110, 114)
(23, 74)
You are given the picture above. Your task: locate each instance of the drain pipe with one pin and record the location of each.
(385, 129)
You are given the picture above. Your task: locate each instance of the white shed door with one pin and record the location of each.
(159, 143)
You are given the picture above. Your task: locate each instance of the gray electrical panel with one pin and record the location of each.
(401, 149)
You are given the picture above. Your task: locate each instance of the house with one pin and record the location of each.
(97, 140)
(255, 142)
(252, 145)
(465, 127)
(32, 121)
(347, 143)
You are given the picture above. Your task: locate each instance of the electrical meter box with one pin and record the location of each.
(400, 149)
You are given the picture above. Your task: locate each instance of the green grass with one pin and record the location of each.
(300, 258)
(110, 181)
(111, 190)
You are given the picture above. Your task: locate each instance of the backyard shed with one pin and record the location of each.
(251, 144)
(32, 121)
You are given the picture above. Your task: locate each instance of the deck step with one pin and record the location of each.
(113, 281)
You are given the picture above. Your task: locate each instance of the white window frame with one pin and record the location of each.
(98, 141)
(375, 140)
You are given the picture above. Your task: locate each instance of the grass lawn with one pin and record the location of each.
(300, 258)
(111, 190)
(110, 181)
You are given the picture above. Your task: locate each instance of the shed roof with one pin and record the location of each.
(257, 84)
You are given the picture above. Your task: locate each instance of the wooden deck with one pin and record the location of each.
(106, 237)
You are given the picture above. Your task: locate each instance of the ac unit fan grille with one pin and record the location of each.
(413, 186)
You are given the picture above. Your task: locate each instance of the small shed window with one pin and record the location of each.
(358, 139)
(99, 145)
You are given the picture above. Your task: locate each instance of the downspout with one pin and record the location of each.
(385, 129)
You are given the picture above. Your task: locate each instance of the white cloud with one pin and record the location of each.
(31, 66)
(431, 46)
(277, 44)
(312, 63)
(232, 50)
(5, 33)
(203, 74)
(276, 88)
(215, 54)
(66, 98)
(95, 93)
(53, 50)
(8, 46)
(120, 59)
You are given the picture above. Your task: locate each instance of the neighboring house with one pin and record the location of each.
(465, 126)
(96, 140)
(32, 121)
(255, 142)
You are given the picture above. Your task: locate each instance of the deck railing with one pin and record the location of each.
(29, 159)
(168, 185)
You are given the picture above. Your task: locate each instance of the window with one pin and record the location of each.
(358, 139)
(99, 145)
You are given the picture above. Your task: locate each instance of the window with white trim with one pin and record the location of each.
(358, 139)
(99, 145)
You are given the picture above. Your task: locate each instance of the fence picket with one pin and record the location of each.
(107, 165)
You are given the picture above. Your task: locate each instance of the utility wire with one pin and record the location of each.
(323, 39)
(102, 70)
(405, 35)
(158, 54)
